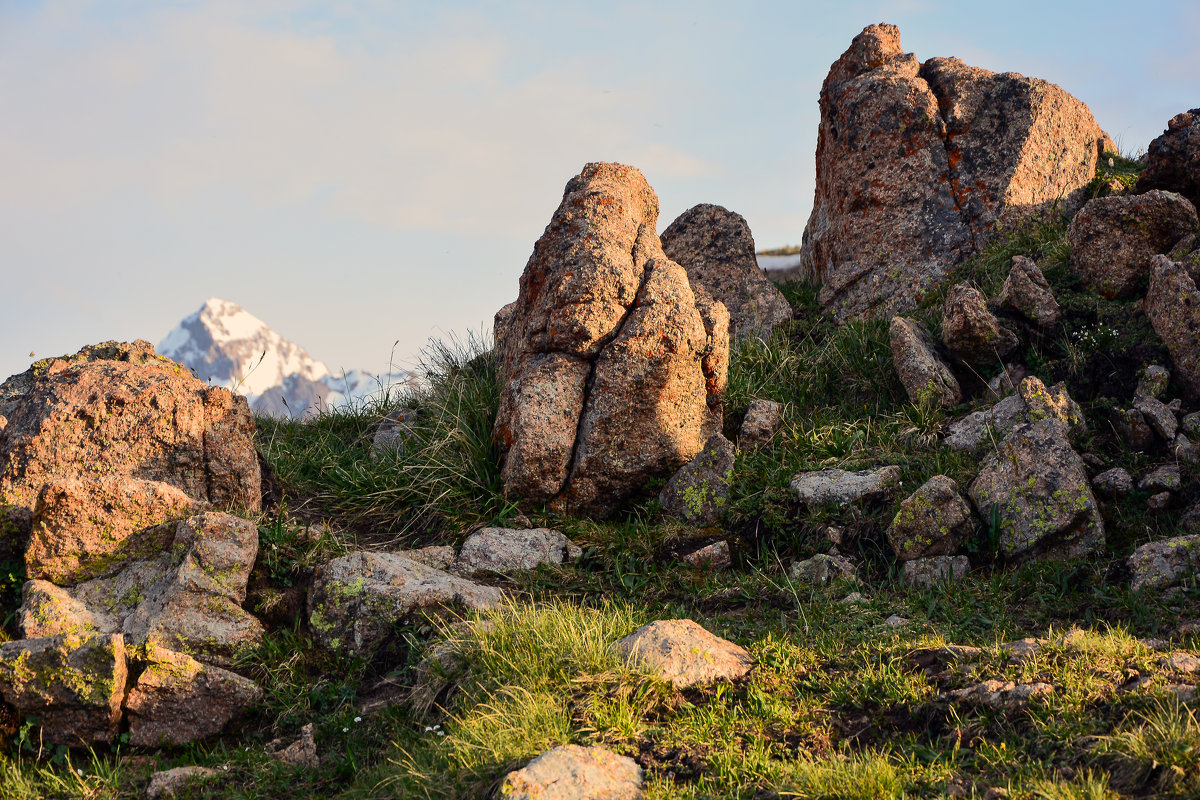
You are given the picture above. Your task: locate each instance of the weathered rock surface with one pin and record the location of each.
(933, 570)
(683, 653)
(1173, 307)
(1173, 159)
(917, 163)
(1002, 694)
(355, 599)
(1164, 477)
(571, 772)
(1114, 482)
(119, 409)
(507, 549)
(1153, 382)
(1052, 403)
(615, 370)
(1133, 428)
(177, 700)
(1113, 239)
(699, 492)
(842, 487)
(300, 753)
(166, 783)
(188, 597)
(1027, 292)
(822, 569)
(1157, 565)
(934, 520)
(762, 421)
(922, 370)
(981, 427)
(972, 333)
(72, 684)
(716, 248)
(714, 555)
(394, 430)
(1159, 415)
(1036, 485)
(89, 528)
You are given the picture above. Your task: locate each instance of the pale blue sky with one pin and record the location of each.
(363, 173)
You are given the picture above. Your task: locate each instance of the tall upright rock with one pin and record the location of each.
(918, 163)
(615, 369)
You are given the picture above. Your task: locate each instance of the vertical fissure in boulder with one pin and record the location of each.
(954, 156)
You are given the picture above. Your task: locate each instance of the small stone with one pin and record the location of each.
(1114, 482)
(1007, 381)
(1159, 502)
(923, 372)
(852, 599)
(1158, 565)
(1162, 478)
(1027, 292)
(509, 549)
(991, 425)
(1181, 662)
(1134, 429)
(934, 521)
(971, 332)
(571, 772)
(166, 783)
(1160, 417)
(698, 493)
(896, 621)
(822, 569)
(1021, 651)
(394, 431)
(683, 653)
(762, 421)
(935, 569)
(1152, 381)
(711, 556)
(1182, 691)
(1186, 450)
(1191, 424)
(1053, 403)
(1002, 694)
(302, 752)
(836, 486)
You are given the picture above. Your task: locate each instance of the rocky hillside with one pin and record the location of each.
(679, 532)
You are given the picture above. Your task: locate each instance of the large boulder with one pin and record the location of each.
(118, 409)
(922, 370)
(1037, 489)
(1113, 239)
(1173, 306)
(917, 163)
(716, 248)
(614, 369)
(73, 684)
(187, 596)
(1173, 159)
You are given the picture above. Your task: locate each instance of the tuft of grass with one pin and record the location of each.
(1159, 747)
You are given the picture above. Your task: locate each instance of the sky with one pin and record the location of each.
(368, 174)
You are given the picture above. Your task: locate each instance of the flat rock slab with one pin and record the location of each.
(1157, 565)
(981, 427)
(1002, 694)
(355, 599)
(508, 549)
(571, 772)
(683, 653)
(837, 486)
(166, 783)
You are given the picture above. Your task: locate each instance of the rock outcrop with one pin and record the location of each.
(917, 163)
(1173, 306)
(716, 248)
(614, 369)
(1173, 159)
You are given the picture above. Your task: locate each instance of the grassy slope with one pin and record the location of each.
(836, 707)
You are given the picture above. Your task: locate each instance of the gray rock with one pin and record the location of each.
(1186, 450)
(1052, 403)
(822, 569)
(1114, 482)
(933, 570)
(762, 421)
(683, 653)
(1027, 292)
(922, 370)
(1173, 159)
(935, 520)
(1002, 694)
(1133, 428)
(166, 783)
(508, 549)
(1007, 381)
(972, 333)
(571, 772)
(1021, 651)
(438, 556)
(1173, 307)
(73, 684)
(1160, 417)
(836, 486)
(1113, 239)
(1162, 478)
(1036, 485)
(698, 493)
(1159, 502)
(355, 599)
(982, 427)
(1181, 662)
(1157, 565)
(716, 248)
(896, 621)
(1153, 381)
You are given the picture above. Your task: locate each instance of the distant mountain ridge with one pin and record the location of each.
(227, 346)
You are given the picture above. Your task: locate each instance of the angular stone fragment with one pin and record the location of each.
(177, 699)
(1114, 482)
(1002, 694)
(73, 684)
(91, 528)
(1157, 565)
(188, 597)
(1152, 382)
(935, 569)
(972, 333)
(1036, 486)
(300, 753)
(711, 556)
(1159, 415)
(762, 421)
(1173, 307)
(922, 370)
(1052, 403)
(1173, 159)
(571, 772)
(842, 487)
(716, 248)
(1027, 292)
(683, 653)
(1114, 239)
(982, 427)
(355, 599)
(822, 569)
(934, 520)
(119, 409)
(507, 549)
(614, 369)
(166, 783)
(698, 493)
(1165, 477)
(1133, 428)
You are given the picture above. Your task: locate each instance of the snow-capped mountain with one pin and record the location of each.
(227, 346)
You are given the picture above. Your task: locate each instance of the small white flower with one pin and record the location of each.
(1110, 162)
(226, 768)
(428, 729)
(345, 730)
(440, 733)
(358, 719)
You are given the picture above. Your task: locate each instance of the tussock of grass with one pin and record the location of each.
(1159, 747)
